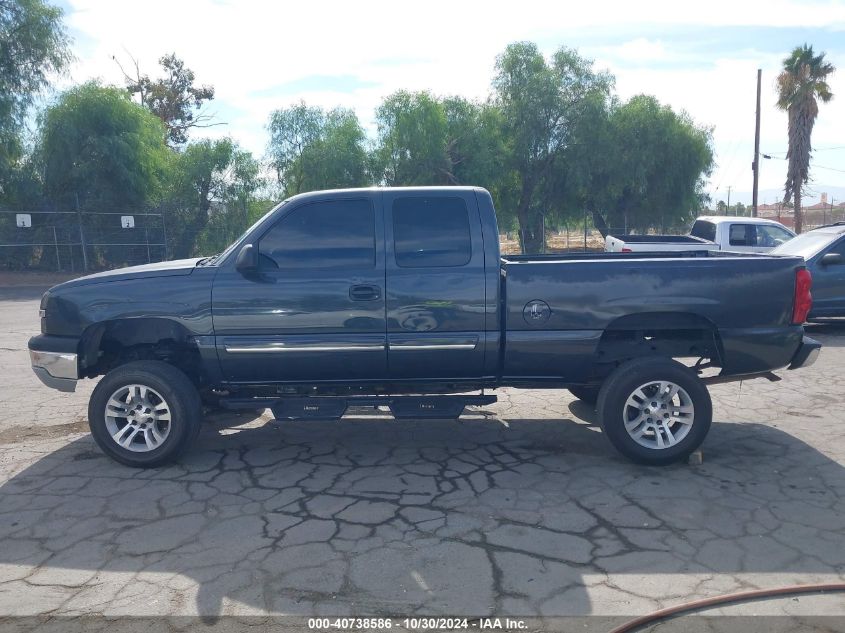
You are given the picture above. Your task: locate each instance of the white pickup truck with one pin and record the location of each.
(709, 233)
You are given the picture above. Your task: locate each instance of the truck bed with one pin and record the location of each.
(616, 243)
(743, 298)
(660, 239)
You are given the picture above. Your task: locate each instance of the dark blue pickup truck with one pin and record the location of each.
(399, 298)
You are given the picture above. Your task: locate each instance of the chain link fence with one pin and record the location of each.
(576, 239)
(78, 241)
(90, 240)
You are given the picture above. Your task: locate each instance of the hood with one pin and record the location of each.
(144, 271)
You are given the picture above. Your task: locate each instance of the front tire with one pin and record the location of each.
(144, 414)
(654, 410)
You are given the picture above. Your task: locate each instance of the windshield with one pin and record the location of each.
(236, 243)
(806, 245)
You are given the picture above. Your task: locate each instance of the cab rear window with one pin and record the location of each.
(431, 232)
(704, 229)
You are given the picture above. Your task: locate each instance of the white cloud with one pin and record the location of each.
(249, 47)
(642, 50)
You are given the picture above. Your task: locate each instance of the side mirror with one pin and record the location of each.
(830, 259)
(247, 261)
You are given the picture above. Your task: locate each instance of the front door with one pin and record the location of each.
(436, 302)
(829, 284)
(315, 311)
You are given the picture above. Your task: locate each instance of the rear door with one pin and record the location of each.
(315, 310)
(742, 238)
(436, 302)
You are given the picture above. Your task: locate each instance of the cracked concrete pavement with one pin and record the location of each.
(519, 509)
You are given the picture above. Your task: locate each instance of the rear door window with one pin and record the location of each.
(743, 235)
(431, 232)
(704, 230)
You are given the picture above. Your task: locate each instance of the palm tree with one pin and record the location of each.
(801, 82)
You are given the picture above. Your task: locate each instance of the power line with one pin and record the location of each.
(830, 168)
(815, 149)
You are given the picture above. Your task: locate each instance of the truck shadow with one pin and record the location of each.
(482, 516)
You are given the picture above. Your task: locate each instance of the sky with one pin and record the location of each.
(698, 57)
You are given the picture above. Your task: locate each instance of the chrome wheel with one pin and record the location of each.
(658, 414)
(137, 418)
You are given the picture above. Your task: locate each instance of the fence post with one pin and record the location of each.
(56, 244)
(585, 230)
(81, 236)
(164, 233)
(147, 239)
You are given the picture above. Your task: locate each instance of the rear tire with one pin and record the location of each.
(589, 395)
(145, 414)
(654, 410)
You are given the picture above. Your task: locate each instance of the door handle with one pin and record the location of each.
(364, 292)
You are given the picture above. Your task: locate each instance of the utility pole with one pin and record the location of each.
(728, 209)
(755, 166)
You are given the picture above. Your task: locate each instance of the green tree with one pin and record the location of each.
(33, 44)
(213, 190)
(198, 180)
(801, 85)
(412, 140)
(474, 142)
(244, 181)
(98, 148)
(424, 140)
(240, 202)
(541, 103)
(658, 161)
(313, 149)
(173, 98)
(579, 183)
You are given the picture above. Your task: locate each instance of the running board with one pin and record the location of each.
(718, 380)
(335, 407)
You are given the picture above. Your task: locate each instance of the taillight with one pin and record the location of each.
(627, 250)
(803, 300)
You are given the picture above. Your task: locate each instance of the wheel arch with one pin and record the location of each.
(102, 342)
(660, 333)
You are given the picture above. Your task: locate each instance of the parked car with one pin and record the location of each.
(824, 251)
(708, 233)
(399, 298)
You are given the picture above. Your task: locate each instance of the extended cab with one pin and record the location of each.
(398, 297)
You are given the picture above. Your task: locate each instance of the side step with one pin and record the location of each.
(334, 407)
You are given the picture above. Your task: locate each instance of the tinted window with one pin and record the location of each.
(429, 232)
(704, 229)
(336, 233)
(839, 248)
(742, 235)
